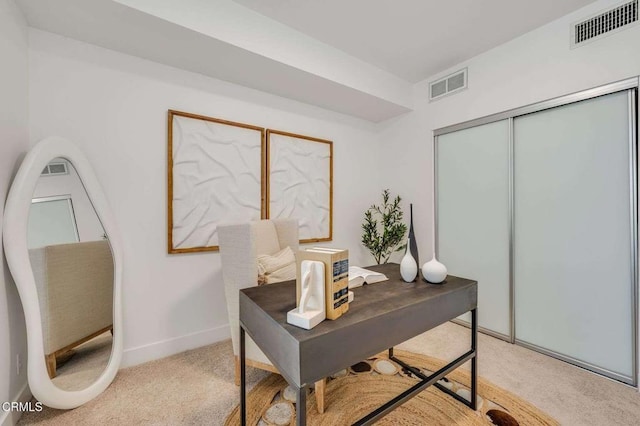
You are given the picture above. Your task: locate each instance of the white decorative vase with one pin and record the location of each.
(434, 271)
(408, 266)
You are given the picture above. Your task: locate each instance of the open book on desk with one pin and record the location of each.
(359, 276)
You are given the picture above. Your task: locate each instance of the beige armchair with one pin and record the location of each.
(239, 247)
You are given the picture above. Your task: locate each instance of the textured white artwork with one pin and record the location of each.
(300, 183)
(217, 169)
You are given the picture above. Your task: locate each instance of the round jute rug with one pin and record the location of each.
(354, 392)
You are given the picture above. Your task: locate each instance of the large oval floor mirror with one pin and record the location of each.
(64, 252)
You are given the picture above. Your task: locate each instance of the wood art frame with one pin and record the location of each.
(315, 225)
(218, 143)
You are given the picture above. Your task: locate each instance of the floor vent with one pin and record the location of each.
(55, 169)
(447, 85)
(604, 23)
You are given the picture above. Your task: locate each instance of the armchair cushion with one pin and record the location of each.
(277, 268)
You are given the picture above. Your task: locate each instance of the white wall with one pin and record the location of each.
(115, 108)
(13, 145)
(536, 66)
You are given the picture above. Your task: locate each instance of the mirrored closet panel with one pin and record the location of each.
(473, 215)
(573, 232)
(539, 205)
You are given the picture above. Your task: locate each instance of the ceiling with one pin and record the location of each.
(414, 39)
(355, 57)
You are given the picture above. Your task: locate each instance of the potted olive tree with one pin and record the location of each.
(383, 230)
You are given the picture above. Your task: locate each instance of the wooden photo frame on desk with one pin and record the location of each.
(300, 183)
(215, 174)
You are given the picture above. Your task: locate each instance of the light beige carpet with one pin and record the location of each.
(197, 388)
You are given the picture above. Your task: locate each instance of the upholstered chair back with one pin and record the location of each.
(240, 244)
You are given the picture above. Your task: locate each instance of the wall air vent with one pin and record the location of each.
(55, 169)
(447, 85)
(604, 23)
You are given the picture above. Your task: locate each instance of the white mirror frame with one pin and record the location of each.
(16, 217)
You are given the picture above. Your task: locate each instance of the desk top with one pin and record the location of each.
(382, 315)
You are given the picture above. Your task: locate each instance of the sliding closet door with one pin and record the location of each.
(472, 210)
(573, 233)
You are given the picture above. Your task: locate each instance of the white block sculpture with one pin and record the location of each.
(311, 310)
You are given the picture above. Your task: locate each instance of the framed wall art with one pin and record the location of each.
(300, 183)
(215, 174)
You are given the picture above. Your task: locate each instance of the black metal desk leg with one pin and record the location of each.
(243, 384)
(474, 360)
(301, 406)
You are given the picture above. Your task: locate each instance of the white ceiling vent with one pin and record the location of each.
(55, 169)
(604, 23)
(447, 85)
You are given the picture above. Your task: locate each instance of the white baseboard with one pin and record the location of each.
(10, 418)
(164, 348)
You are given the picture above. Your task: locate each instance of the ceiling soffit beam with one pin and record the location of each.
(345, 85)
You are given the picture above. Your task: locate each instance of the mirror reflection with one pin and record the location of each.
(73, 268)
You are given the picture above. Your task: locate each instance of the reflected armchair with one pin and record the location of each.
(75, 295)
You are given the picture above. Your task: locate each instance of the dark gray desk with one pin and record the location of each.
(382, 315)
